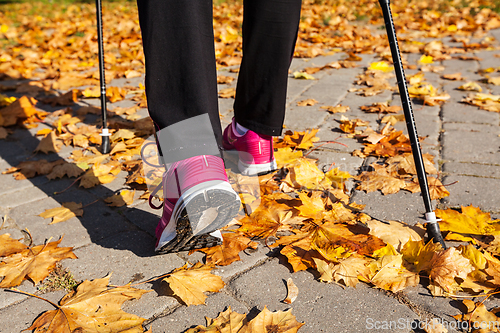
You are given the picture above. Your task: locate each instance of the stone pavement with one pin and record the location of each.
(464, 139)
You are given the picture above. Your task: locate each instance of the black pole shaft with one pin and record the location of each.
(105, 136)
(432, 228)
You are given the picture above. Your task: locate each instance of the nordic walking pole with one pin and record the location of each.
(432, 226)
(104, 131)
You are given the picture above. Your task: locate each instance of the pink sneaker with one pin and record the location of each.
(198, 201)
(255, 151)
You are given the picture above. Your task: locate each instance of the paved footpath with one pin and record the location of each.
(464, 139)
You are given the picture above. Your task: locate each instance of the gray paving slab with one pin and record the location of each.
(184, 317)
(467, 190)
(472, 169)
(402, 206)
(21, 197)
(464, 113)
(322, 307)
(20, 316)
(143, 216)
(472, 143)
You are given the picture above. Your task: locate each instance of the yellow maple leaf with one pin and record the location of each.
(61, 214)
(189, 284)
(33, 263)
(471, 221)
(90, 307)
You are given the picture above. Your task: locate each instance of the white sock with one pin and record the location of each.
(241, 129)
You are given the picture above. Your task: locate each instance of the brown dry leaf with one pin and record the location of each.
(49, 144)
(67, 99)
(447, 265)
(189, 284)
(92, 307)
(228, 252)
(336, 109)
(393, 144)
(307, 102)
(65, 169)
(312, 70)
(30, 169)
(300, 140)
(393, 119)
(391, 274)
(483, 320)
(227, 322)
(98, 174)
(453, 77)
(293, 291)
(436, 188)
(227, 93)
(23, 109)
(395, 233)
(486, 102)
(322, 240)
(34, 263)
(347, 270)
(125, 197)
(470, 86)
(381, 108)
(222, 79)
(3, 133)
(9, 246)
(405, 164)
(494, 80)
(371, 181)
(61, 214)
(279, 322)
(115, 94)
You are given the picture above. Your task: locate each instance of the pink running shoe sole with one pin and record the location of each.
(207, 203)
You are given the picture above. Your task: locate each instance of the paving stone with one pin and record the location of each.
(98, 221)
(402, 206)
(465, 113)
(9, 298)
(480, 192)
(184, 317)
(322, 307)
(472, 169)
(21, 197)
(19, 317)
(442, 308)
(475, 143)
(143, 217)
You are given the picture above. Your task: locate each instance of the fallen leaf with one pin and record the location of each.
(65, 169)
(228, 252)
(336, 109)
(189, 284)
(33, 263)
(293, 291)
(227, 322)
(307, 102)
(9, 246)
(447, 265)
(90, 308)
(61, 214)
(471, 86)
(483, 320)
(227, 93)
(471, 221)
(49, 144)
(395, 233)
(303, 76)
(125, 197)
(453, 77)
(391, 275)
(381, 108)
(279, 321)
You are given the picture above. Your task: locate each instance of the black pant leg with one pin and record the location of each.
(181, 77)
(269, 34)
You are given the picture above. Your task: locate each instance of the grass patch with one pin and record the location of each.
(60, 279)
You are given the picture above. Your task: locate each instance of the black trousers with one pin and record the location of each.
(181, 77)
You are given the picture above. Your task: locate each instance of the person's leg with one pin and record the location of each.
(181, 90)
(269, 33)
(181, 77)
